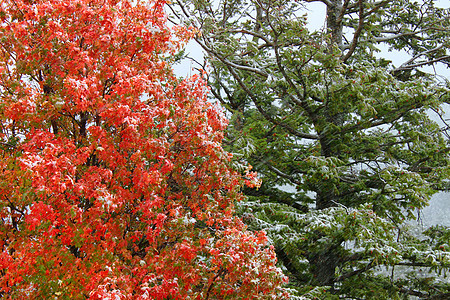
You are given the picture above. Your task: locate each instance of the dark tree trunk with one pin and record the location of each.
(324, 262)
(323, 265)
(334, 24)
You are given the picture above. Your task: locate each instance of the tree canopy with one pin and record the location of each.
(354, 136)
(113, 180)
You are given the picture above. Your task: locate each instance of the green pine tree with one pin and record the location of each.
(354, 134)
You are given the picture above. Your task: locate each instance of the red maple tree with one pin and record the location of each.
(113, 181)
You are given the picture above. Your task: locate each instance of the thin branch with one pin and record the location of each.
(252, 33)
(395, 35)
(282, 174)
(342, 13)
(352, 7)
(440, 296)
(229, 63)
(414, 293)
(287, 262)
(413, 264)
(231, 67)
(421, 54)
(8, 145)
(246, 68)
(326, 2)
(373, 123)
(356, 272)
(220, 273)
(421, 64)
(357, 32)
(377, 7)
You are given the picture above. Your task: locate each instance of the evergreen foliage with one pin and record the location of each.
(354, 133)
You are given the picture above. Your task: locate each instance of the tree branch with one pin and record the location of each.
(287, 262)
(357, 32)
(377, 7)
(356, 272)
(421, 54)
(423, 63)
(282, 174)
(342, 13)
(326, 2)
(255, 98)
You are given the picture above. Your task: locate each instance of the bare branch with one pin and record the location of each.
(398, 35)
(253, 33)
(406, 65)
(357, 32)
(326, 2)
(229, 63)
(342, 13)
(421, 64)
(257, 103)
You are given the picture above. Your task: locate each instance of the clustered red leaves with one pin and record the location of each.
(113, 182)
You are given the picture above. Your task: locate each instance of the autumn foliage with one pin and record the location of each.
(113, 181)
